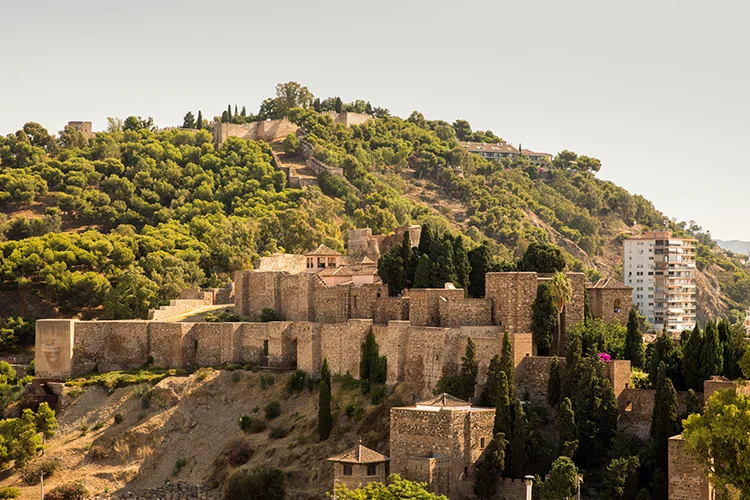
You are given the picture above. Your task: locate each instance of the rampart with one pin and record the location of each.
(268, 130)
(180, 306)
(687, 478)
(636, 407)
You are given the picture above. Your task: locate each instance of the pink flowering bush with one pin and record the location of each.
(604, 356)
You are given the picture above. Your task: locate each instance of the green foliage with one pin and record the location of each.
(297, 381)
(542, 258)
(568, 432)
(663, 350)
(223, 317)
(354, 411)
(290, 144)
(9, 493)
(543, 319)
(423, 276)
(268, 314)
(396, 488)
(720, 439)
(562, 483)
(118, 418)
(664, 419)
(278, 432)
(373, 367)
(179, 464)
(45, 421)
(469, 371)
(598, 336)
(620, 477)
(32, 472)
(325, 419)
(68, 491)
(272, 410)
(490, 467)
(508, 365)
(256, 484)
(554, 385)
(633, 341)
(266, 381)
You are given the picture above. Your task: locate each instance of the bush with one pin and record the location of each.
(97, 453)
(256, 425)
(179, 465)
(378, 394)
(223, 317)
(32, 472)
(144, 393)
(9, 493)
(348, 383)
(257, 484)
(297, 381)
(354, 411)
(267, 314)
(279, 432)
(245, 422)
(266, 381)
(272, 410)
(118, 418)
(84, 428)
(239, 453)
(202, 374)
(69, 491)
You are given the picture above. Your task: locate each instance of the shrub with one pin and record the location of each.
(69, 491)
(9, 492)
(272, 410)
(32, 472)
(267, 314)
(98, 426)
(257, 484)
(256, 425)
(348, 383)
(97, 453)
(266, 381)
(236, 377)
(178, 465)
(297, 381)
(278, 432)
(244, 422)
(202, 374)
(144, 393)
(239, 453)
(378, 394)
(354, 411)
(118, 418)
(84, 428)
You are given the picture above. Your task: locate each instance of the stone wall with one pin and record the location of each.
(687, 478)
(424, 304)
(636, 406)
(109, 345)
(362, 300)
(391, 309)
(54, 348)
(512, 294)
(457, 312)
(268, 130)
(510, 489)
(181, 306)
(291, 263)
(611, 303)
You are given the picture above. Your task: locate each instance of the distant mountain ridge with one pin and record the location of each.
(735, 246)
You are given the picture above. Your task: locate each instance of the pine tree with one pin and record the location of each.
(469, 370)
(562, 482)
(490, 392)
(566, 423)
(711, 352)
(490, 467)
(461, 263)
(634, 341)
(507, 365)
(423, 273)
(554, 386)
(691, 359)
(188, 121)
(664, 419)
(339, 106)
(199, 121)
(45, 421)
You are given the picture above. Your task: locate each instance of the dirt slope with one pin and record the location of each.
(197, 422)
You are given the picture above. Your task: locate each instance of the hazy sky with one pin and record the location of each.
(655, 89)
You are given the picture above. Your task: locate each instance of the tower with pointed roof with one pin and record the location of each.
(358, 466)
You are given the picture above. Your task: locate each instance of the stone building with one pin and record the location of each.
(358, 467)
(610, 299)
(687, 478)
(438, 442)
(83, 127)
(361, 242)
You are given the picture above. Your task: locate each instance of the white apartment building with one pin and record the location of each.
(661, 270)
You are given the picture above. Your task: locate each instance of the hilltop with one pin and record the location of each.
(108, 225)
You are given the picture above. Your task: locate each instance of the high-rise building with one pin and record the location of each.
(661, 270)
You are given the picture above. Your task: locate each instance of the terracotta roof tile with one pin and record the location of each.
(444, 400)
(611, 284)
(359, 455)
(324, 250)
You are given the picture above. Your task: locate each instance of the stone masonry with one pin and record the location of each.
(610, 300)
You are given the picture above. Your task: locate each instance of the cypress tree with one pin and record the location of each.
(461, 263)
(517, 459)
(316, 104)
(444, 271)
(423, 273)
(469, 370)
(664, 350)
(587, 316)
(243, 113)
(199, 121)
(425, 241)
(408, 259)
(479, 264)
(325, 420)
(391, 270)
(508, 366)
(235, 111)
(543, 319)
(229, 112)
(372, 367)
(554, 386)
(664, 420)
(691, 362)
(490, 392)
(566, 423)
(490, 467)
(339, 106)
(711, 352)
(503, 411)
(634, 341)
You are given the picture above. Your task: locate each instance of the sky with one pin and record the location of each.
(656, 89)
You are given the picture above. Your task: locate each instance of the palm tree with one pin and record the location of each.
(562, 293)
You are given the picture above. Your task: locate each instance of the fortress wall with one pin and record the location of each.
(363, 299)
(252, 337)
(465, 312)
(331, 304)
(307, 336)
(424, 304)
(261, 290)
(109, 345)
(532, 376)
(512, 294)
(603, 303)
(392, 339)
(165, 343)
(341, 345)
(424, 355)
(391, 309)
(292, 263)
(636, 407)
(295, 297)
(618, 373)
(54, 347)
(573, 312)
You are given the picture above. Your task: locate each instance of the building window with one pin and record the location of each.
(617, 306)
(347, 470)
(372, 470)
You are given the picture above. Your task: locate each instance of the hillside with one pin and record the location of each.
(115, 224)
(736, 246)
(193, 422)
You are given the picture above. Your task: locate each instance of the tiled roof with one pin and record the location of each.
(610, 283)
(444, 400)
(489, 147)
(335, 271)
(367, 271)
(359, 455)
(529, 152)
(324, 250)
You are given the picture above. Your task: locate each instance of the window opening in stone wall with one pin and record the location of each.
(347, 470)
(195, 346)
(372, 470)
(629, 406)
(265, 348)
(617, 306)
(481, 442)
